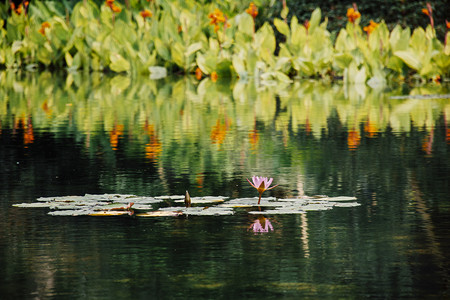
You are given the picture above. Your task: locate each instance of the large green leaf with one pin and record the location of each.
(177, 51)
(246, 24)
(315, 20)
(343, 60)
(162, 50)
(282, 27)
(193, 48)
(410, 59)
(118, 63)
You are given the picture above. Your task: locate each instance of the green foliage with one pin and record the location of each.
(181, 36)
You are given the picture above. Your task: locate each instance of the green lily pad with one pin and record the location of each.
(348, 204)
(108, 213)
(160, 213)
(71, 213)
(118, 204)
(248, 202)
(33, 205)
(173, 197)
(342, 198)
(200, 200)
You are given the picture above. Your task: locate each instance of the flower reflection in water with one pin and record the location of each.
(261, 225)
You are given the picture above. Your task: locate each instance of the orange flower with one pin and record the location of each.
(112, 6)
(429, 12)
(109, 3)
(214, 76)
(217, 17)
(146, 14)
(43, 26)
(448, 24)
(19, 9)
(353, 15)
(116, 9)
(306, 24)
(252, 10)
(371, 27)
(198, 73)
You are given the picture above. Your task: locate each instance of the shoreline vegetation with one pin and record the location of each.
(218, 40)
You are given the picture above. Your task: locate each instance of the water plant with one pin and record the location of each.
(223, 40)
(261, 184)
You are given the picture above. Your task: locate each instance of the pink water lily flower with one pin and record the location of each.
(261, 184)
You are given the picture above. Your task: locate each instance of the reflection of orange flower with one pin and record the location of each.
(353, 140)
(252, 10)
(427, 145)
(447, 135)
(254, 138)
(146, 14)
(218, 132)
(28, 135)
(199, 180)
(308, 127)
(154, 147)
(353, 15)
(28, 132)
(214, 76)
(45, 108)
(114, 136)
(370, 129)
(371, 27)
(198, 73)
(43, 26)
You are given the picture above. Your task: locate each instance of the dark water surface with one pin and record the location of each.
(72, 135)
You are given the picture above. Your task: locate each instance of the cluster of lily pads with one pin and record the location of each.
(161, 206)
(215, 40)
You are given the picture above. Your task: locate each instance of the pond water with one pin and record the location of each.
(71, 134)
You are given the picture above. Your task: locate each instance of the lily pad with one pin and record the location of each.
(200, 200)
(173, 197)
(118, 204)
(160, 213)
(248, 202)
(348, 204)
(342, 198)
(282, 211)
(33, 205)
(71, 212)
(109, 213)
